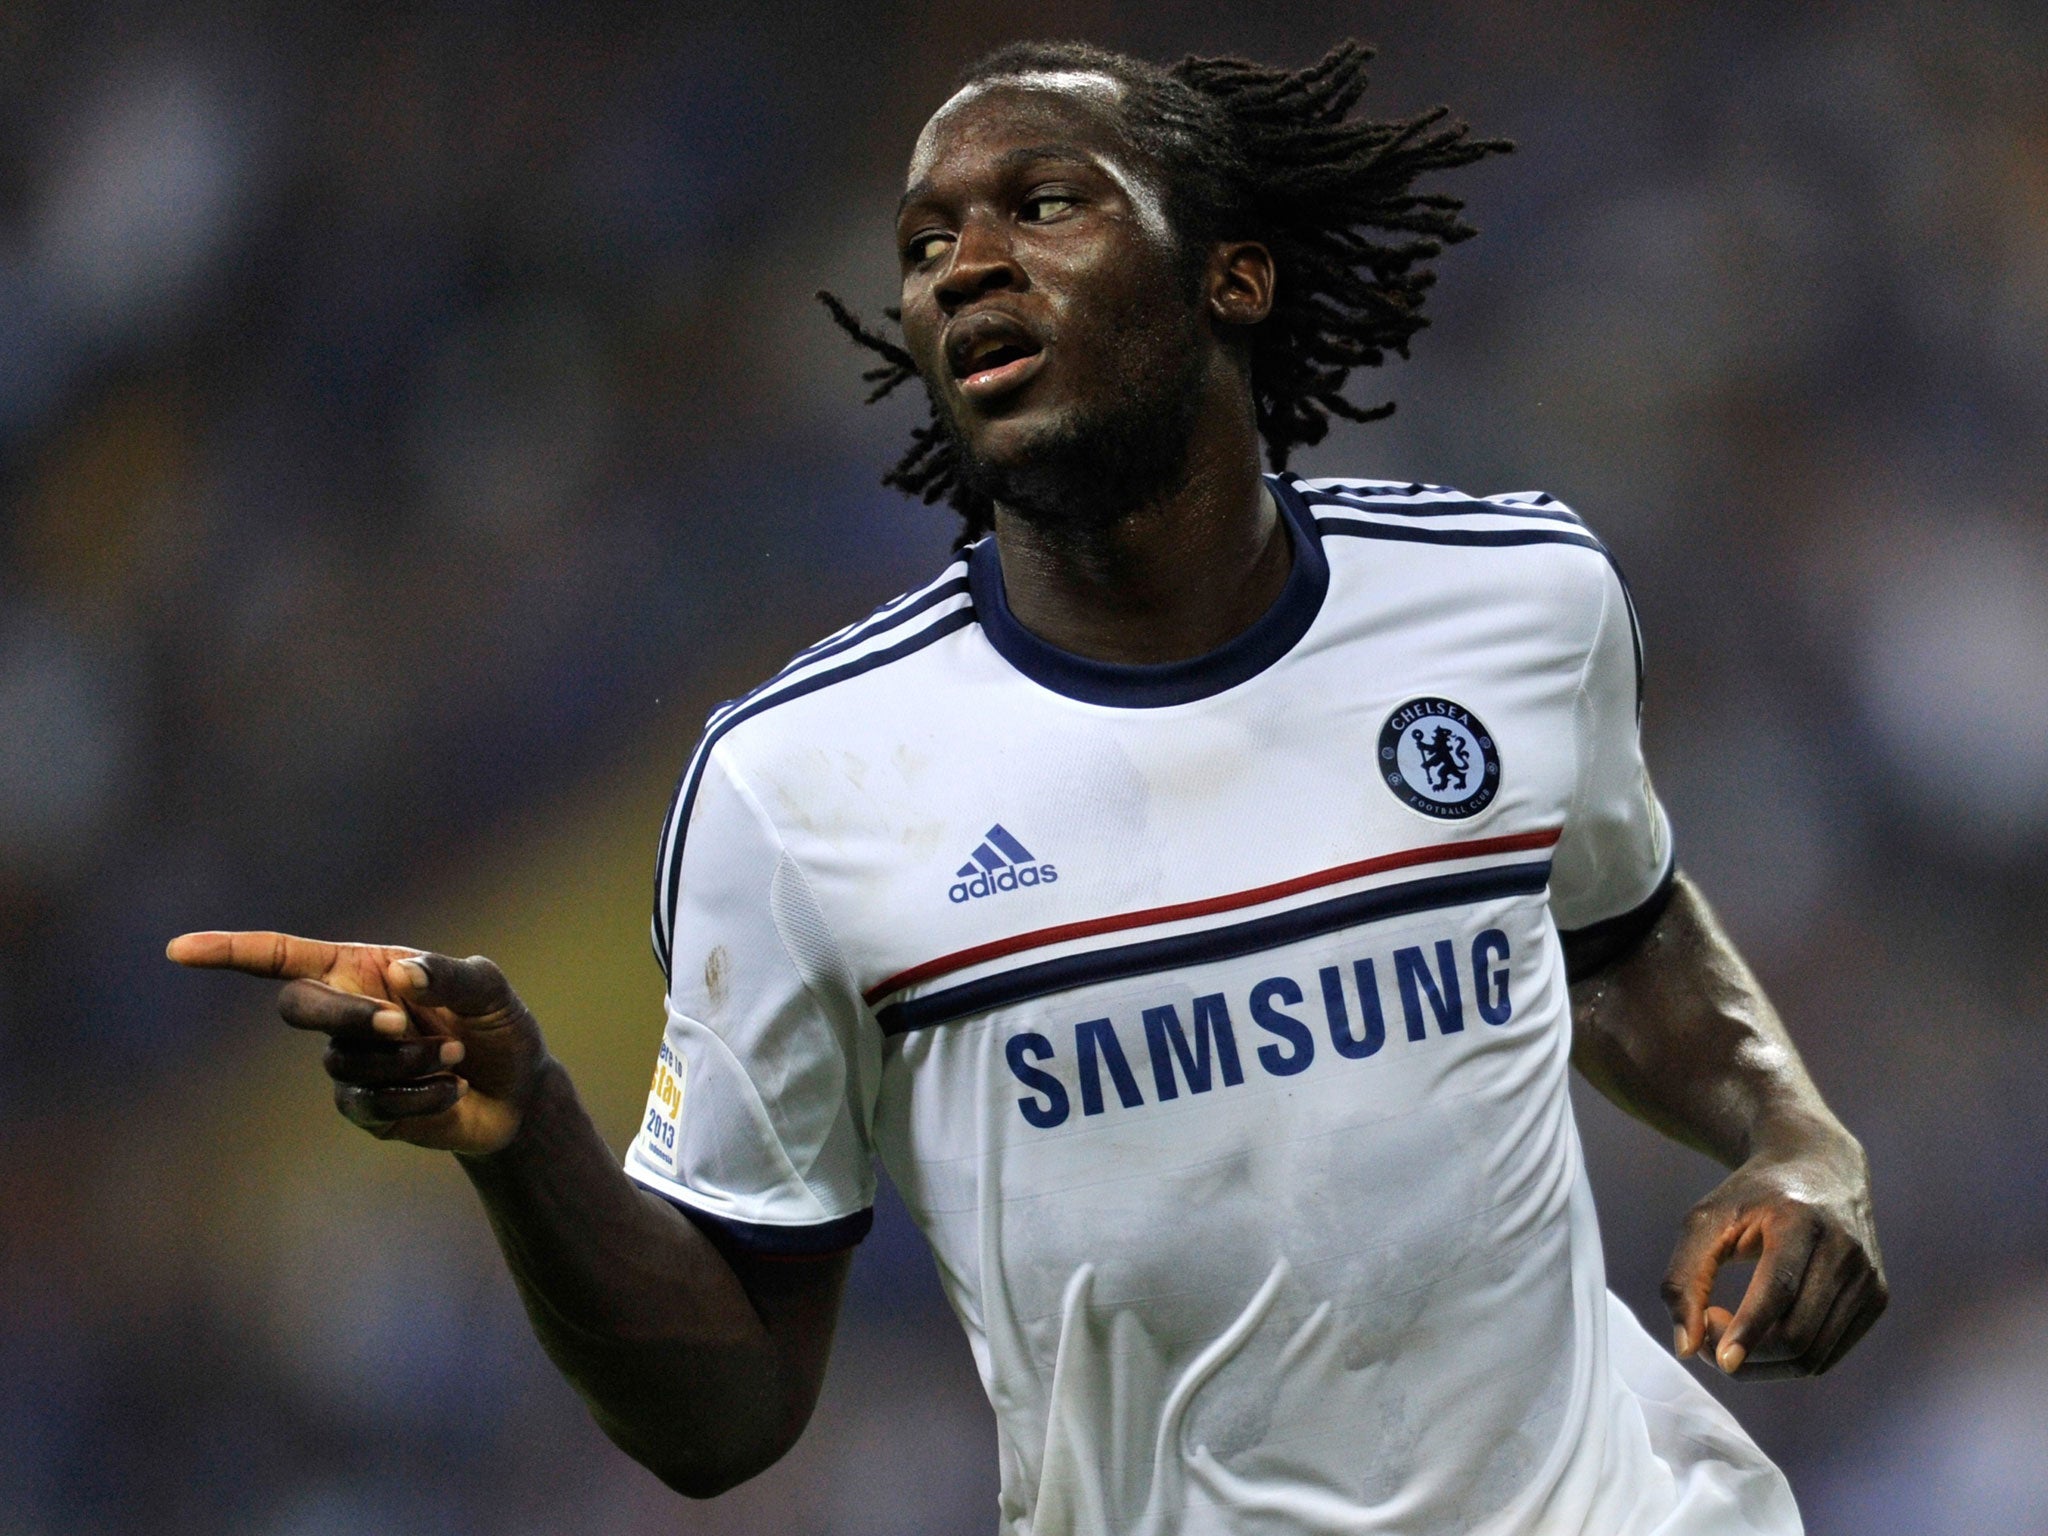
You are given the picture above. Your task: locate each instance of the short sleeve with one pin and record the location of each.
(757, 1122)
(1611, 873)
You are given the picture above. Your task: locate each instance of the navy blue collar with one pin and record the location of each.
(1172, 682)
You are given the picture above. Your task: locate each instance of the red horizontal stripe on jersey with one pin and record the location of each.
(1037, 938)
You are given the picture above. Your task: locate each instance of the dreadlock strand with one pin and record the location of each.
(896, 368)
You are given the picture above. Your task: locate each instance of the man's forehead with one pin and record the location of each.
(1082, 82)
(1052, 93)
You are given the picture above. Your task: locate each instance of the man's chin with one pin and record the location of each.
(1061, 466)
(1008, 441)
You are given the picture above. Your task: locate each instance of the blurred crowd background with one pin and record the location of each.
(413, 419)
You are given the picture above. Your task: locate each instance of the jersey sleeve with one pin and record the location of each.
(758, 1120)
(1611, 873)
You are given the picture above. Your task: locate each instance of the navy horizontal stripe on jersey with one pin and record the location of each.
(880, 622)
(1228, 942)
(1491, 538)
(671, 876)
(1437, 507)
(834, 1236)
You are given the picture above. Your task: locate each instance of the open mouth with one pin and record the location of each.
(991, 355)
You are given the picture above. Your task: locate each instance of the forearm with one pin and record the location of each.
(638, 1308)
(1680, 1034)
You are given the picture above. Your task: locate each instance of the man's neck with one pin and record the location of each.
(1173, 578)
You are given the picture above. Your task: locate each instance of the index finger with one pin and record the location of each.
(278, 955)
(1785, 1247)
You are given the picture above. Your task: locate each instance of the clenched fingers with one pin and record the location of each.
(1850, 1300)
(1859, 1305)
(314, 1005)
(383, 1072)
(1836, 1263)
(377, 1110)
(378, 1063)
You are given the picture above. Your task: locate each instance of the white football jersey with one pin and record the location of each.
(1212, 1019)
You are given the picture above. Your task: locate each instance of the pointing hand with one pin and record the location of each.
(422, 1048)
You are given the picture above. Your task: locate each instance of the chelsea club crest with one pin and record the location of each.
(1439, 758)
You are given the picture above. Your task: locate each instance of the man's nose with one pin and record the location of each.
(982, 262)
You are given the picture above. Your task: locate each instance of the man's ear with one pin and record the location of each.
(1240, 283)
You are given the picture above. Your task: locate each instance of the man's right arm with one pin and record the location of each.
(702, 1362)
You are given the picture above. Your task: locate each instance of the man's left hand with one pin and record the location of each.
(1802, 1211)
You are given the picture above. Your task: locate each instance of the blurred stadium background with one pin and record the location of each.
(412, 421)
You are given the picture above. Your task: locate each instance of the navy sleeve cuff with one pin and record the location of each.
(781, 1242)
(1591, 949)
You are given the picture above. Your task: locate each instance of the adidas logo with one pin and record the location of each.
(1000, 864)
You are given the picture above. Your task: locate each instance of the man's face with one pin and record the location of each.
(1043, 298)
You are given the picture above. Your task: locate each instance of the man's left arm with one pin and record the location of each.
(1678, 1032)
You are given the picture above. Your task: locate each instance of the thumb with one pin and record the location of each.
(472, 988)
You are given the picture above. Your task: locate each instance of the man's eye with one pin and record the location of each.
(923, 249)
(1046, 205)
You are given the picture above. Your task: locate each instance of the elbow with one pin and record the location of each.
(695, 1466)
(702, 1482)
(703, 1420)
(706, 1478)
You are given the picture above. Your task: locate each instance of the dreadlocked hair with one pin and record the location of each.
(1253, 152)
